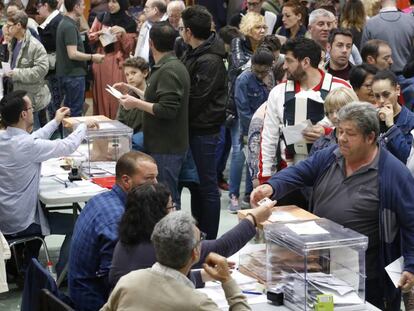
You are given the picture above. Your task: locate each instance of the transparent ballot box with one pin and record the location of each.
(102, 147)
(305, 259)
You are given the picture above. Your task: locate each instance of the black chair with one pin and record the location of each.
(49, 302)
(38, 278)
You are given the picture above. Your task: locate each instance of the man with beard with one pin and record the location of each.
(298, 99)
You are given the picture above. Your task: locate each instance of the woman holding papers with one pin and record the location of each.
(114, 33)
(148, 204)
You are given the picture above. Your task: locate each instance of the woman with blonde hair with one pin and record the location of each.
(353, 18)
(335, 100)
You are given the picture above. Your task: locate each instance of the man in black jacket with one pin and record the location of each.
(204, 61)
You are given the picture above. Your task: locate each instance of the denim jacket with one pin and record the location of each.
(250, 93)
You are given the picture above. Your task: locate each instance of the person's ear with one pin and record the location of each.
(146, 72)
(398, 89)
(371, 60)
(328, 47)
(126, 182)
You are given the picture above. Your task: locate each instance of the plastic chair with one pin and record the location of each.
(49, 302)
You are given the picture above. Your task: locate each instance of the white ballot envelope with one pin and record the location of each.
(395, 270)
(113, 91)
(6, 67)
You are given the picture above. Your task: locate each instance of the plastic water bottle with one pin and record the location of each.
(51, 270)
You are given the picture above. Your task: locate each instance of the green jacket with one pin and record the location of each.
(168, 88)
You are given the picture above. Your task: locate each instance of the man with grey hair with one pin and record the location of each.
(174, 10)
(321, 22)
(361, 186)
(176, 240)
(155, 11)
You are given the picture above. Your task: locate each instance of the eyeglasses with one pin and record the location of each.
(27, 109)
(9, 25)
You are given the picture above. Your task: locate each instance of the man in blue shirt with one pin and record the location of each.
(96, 232)
(21, 156)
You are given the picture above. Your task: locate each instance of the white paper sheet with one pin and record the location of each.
(6, 67)
(307, 228)
(293, 133)
(395, 270)
(113, 91)
(281, 216)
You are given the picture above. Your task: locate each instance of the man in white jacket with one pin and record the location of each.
(295, 101)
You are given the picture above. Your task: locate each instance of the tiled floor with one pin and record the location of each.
(10, 301)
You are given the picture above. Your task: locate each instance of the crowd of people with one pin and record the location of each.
(202, 94)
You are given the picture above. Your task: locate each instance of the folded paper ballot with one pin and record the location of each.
(307, 228)
(293, 133)
(395, 270)
(113, 91)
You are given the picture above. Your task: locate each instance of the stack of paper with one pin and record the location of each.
(297, 289)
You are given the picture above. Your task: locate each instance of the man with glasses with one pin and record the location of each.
(396, 121)
(21, 156)
(155, 11)
(71, 56)
(176, 240)
(29, 63)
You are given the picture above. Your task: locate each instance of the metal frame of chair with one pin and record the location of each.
(49, 302)
(20, 240)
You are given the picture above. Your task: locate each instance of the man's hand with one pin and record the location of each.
(386, 114)
(62, 113)
(91, 124)
(98, 58)
(406, 281)
(9, 74)
(263, 212)
(129, 102)
(261, 192)
(313, 133)
(217, 267)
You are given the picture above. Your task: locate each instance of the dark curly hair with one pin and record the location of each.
(145, 206)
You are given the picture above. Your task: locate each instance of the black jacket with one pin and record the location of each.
(48, 34)
(208, 94)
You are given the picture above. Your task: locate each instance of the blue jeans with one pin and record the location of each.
(222, 151)
(169, 167)
(55, 89)
(59, 223)
(238, 160)
(205, 197)
(74, 90)
(407, 90)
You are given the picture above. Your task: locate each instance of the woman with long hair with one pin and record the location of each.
(353, 18)
(148, 204)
